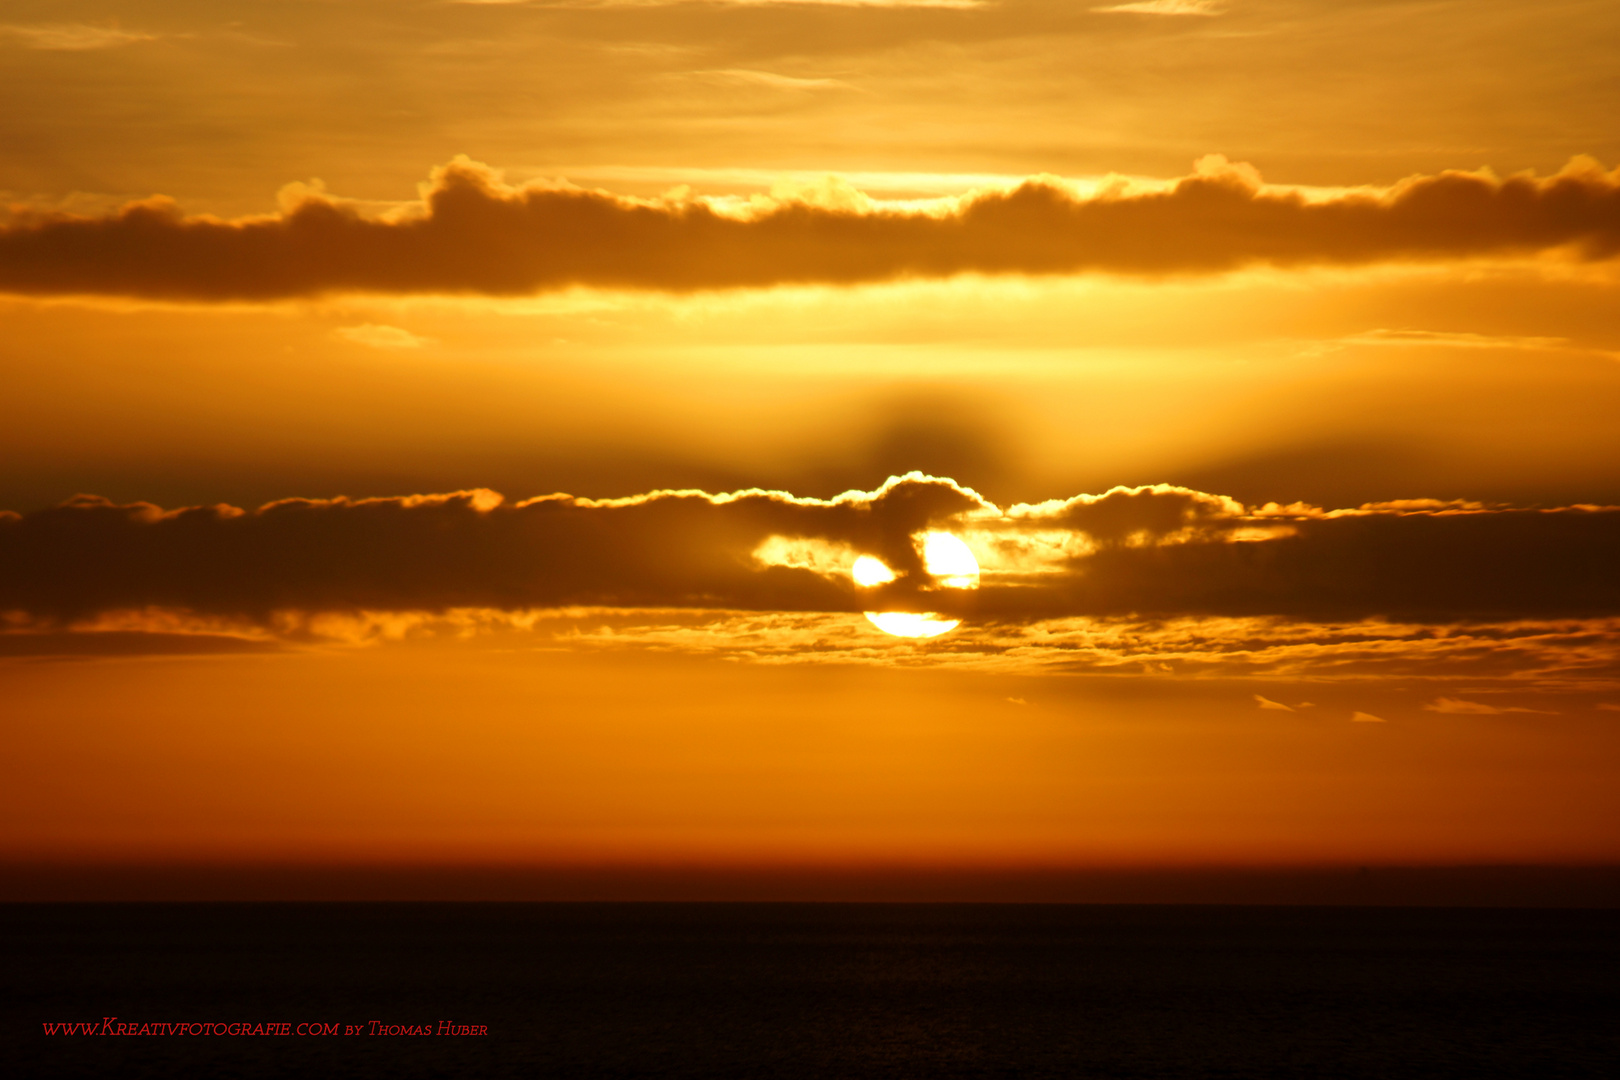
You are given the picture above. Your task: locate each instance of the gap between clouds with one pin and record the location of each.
(473, 233)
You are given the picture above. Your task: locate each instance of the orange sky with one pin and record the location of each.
(1262, 353)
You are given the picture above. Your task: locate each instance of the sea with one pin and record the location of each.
(743, 990)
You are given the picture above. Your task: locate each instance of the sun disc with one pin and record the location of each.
(947, 559)
(912, 624)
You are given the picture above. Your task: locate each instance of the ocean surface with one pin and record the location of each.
(813, 990)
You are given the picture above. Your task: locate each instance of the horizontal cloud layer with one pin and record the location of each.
(1155, 552)
(475, 234)
(466, 549)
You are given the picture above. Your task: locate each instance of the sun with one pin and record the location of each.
(947, 559)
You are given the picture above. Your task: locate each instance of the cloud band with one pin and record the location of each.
(1158, 551)
(474, 234)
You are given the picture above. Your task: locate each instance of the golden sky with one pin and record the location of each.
(444, 433)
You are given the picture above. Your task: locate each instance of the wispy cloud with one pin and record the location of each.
(770, 80)
(74, 37)
(1460, 707)
(1552, 658)
(1267, 703)
(381, 337)
(1367, 718)
(1164, 7)
(1453, 339)
(959, 4)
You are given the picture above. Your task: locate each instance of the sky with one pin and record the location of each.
(467, 436)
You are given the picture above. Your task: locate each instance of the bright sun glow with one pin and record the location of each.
(946, 558)
(868, 571)
(950, 560)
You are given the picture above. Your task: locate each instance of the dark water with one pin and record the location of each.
(784, 990)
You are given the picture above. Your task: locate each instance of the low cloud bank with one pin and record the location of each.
(1156, 552)
(475, 234)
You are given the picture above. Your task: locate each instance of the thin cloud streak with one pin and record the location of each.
(475, 234)
(770, 80)
(1463, 707)
(1163, 7)
(950, 4)
(73, 37)
(1545, 657)
(375, 336)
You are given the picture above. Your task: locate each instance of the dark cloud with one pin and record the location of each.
(678, 549)
(1149, 513)
(1432, 565)
(1154, 552)
(478, 235)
